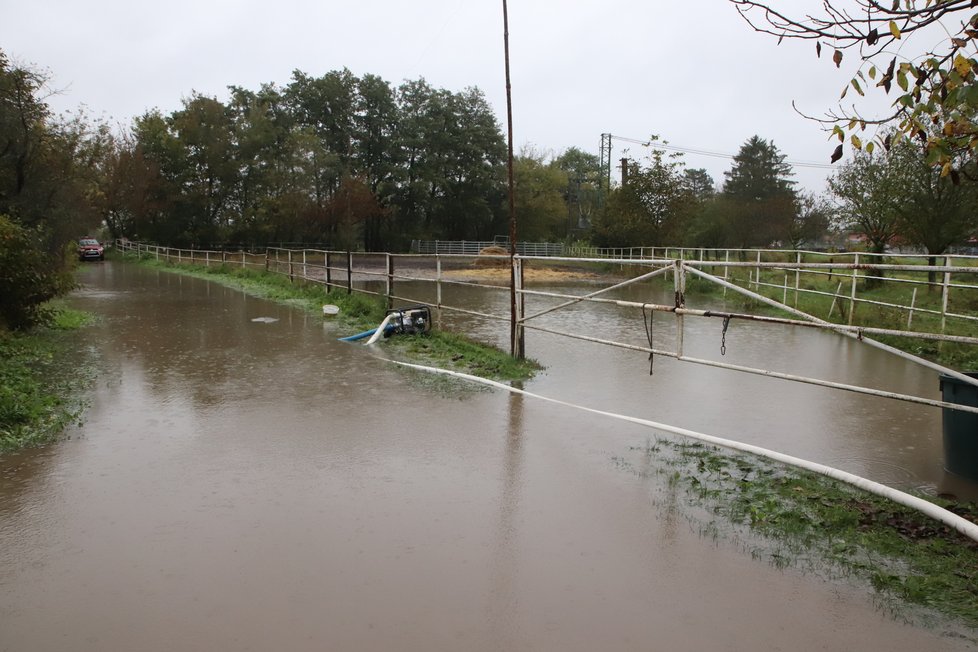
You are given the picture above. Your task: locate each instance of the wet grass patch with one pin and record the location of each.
(793, 518)
(359, 312)
(43, 376)
(459, 353)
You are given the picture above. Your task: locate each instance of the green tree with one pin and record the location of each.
(935, 86)
(453, 153)
(651, 207)
(142, 182)
(813, 216)
(933, 212)
(260, 128)
(710, 224)
(869, 200)
(268, 165)
(539, 198)
(700, 183)
(350, 208)
(27, 278)
(584, 194)
(376, 153)
(760, 194)
(209, 178)
(328, 105)
(49, 194)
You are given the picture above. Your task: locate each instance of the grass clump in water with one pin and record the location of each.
(459, 353)
(42, 380)
(791, 517)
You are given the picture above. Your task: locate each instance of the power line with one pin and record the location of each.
(703, 152)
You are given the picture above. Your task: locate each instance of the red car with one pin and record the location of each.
(90, 249)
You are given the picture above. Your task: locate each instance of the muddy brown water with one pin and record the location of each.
(243, 485)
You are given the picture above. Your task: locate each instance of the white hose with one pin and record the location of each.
(938, 513)
(379, 333)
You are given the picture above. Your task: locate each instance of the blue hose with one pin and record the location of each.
(360, 336)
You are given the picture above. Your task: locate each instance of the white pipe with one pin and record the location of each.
(938, 513)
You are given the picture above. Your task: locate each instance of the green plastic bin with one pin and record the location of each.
(960, 428)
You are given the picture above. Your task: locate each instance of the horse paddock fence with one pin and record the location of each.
(777, 279)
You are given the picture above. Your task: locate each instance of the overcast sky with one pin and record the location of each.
(692, 72)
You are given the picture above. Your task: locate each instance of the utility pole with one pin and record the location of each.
(606, 162)
(515, 333)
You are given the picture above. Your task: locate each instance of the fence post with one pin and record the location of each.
(305, 271)
(268, 262)
(329, 273)
(438, 290)
(519, 343)
(679, 274)
(835, 297)
(757, 273)
(349, 272)
(852, 293)
(291, 271)
(390, 281)
(945, 294)
(797, 277)
(913, 302)
(726, 270)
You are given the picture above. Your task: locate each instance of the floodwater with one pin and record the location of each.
(258, 485)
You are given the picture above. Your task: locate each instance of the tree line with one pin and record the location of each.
(354, 162)
(893, 197)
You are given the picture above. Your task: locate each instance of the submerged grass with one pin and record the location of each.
(43, 375)
(794, 518)
(359, 312)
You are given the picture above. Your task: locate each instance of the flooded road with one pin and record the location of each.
(258, 485)
(889, 441)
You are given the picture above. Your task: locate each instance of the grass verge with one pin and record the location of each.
(359, 312)
(793, 518)
(893, 291)
(43, 375)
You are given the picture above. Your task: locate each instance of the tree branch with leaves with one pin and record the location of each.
(937, 98)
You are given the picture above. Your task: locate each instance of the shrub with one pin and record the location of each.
(29, 276)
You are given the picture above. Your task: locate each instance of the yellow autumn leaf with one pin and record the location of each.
(858, 144)
(894, 29)
(962, 65)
